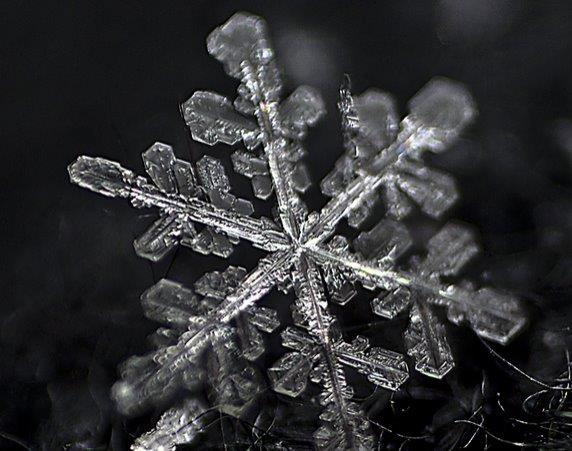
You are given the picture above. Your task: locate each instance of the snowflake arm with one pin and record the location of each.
(176, 195)
(492, 315)
(242, 45)
(346, 427)
(310, 312)
(232, 384)
(165, 368)
(308, 360)
(377, 156)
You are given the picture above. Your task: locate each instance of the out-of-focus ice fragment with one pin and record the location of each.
(177, 426)
(301, 178)
(434, 191)
(450, 250)
(169, 302)
(235, 383)
(369, 121)
(492, 314)
(438, 113)
(262, 186)
(303, 108)
(339, 178)
(241, 38)
(242, 45)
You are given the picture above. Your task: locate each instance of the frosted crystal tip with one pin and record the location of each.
(100, 175)
(440, 111)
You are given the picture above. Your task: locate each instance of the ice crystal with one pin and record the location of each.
(382, 160)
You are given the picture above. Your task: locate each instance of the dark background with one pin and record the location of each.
(105, 78)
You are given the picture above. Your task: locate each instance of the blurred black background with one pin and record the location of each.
(105, 78)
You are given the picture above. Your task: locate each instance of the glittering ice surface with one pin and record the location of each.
(211, 333)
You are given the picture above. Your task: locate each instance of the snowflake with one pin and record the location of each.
(198, 210)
